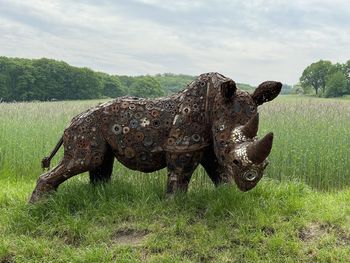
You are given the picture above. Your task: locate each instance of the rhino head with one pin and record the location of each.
(241, 155)
(247, 155)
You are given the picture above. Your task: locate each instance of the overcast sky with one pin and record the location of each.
(249, 41)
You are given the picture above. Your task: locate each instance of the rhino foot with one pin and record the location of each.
(41, 192)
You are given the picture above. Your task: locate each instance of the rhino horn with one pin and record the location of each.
(259, 150)
(250, 129)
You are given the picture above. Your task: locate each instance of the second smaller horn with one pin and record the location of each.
(250, 129)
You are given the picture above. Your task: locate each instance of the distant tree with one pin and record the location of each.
(111, 85)
(4, 79)
(246, 87)
(85, 84)
(46, 79)
(315, 75)
(336, 85)
(286, 89)
(126, 81)
(52, 79)
(346, 68)
(172, 83)
(297, 89)
(19, 79)
(146, 86)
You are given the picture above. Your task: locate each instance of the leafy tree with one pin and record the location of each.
(111, 85)
(146, 86)
(246, 87)
(172, 83)
(20, 80)
(4, 79)
(47, 79)
(336, 85)
(286, 89)
(85, 85)
(52, 79)
(297, 89)
(315, 75)
(126, 81)
(346, 68)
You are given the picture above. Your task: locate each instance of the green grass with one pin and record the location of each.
(132, 222)
(303, 216)
(312, 140)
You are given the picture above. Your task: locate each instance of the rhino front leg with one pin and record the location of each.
(214, 170)
(180, 170)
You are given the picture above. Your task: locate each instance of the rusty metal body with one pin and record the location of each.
(178, 132)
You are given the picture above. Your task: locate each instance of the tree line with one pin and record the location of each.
(47, 79)
(326, 79)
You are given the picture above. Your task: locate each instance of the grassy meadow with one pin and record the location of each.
(299, 212)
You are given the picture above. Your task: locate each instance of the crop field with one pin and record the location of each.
(299, 212)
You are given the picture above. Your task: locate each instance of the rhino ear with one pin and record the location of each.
(266, 91)
(228, 89)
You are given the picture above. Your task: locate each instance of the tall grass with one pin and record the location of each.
(312, 139)
(130, 220)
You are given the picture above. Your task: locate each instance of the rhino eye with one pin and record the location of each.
(250, 175)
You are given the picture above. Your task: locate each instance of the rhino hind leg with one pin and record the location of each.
(49, 181)
(70, 166)
(103, 172)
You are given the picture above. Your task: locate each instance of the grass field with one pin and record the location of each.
(298, 213)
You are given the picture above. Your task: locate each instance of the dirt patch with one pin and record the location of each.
(311, 232)
(8, 258)
(316, 230)
(268, 231)
(343, 237)
(129, 237)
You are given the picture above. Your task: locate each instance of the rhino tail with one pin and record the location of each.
(45, 162)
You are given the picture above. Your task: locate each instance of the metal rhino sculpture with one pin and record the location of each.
(211, 123)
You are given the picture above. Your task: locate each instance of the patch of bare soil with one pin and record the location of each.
(130, 237)
(268, 231)
(9, 258)
(315, 230)
(311, 232)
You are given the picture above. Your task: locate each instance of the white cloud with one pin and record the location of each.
(250, 41)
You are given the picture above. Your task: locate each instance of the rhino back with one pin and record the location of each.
(136, 130)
